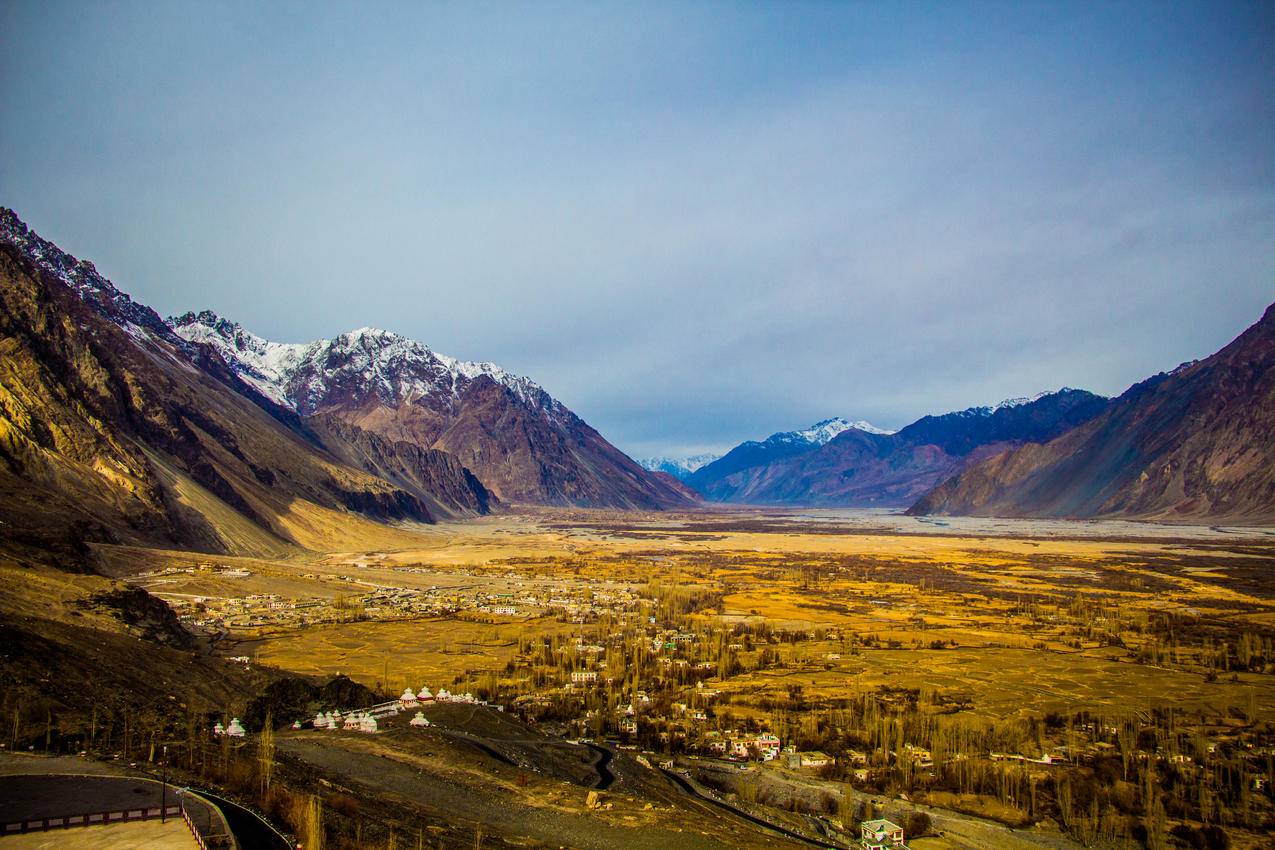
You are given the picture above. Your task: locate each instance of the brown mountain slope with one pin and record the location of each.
(862, 468)
(1194, 444)
(114, 429)
(522, 443)
(450, 489)
(857, 468)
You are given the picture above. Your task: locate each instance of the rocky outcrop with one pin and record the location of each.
(433, 476)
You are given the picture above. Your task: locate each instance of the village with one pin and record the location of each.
(798, 683)
(350, 597)
(647, 670)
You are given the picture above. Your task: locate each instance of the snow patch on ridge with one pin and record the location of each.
(822, 432)
(300, 376)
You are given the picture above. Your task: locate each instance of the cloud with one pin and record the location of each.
(693, 226)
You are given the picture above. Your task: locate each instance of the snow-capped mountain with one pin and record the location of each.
(117, 426)
(783, 444)
(521, 442)
(303, 376)
(821, 432)
(679, 467)
(1020, 401)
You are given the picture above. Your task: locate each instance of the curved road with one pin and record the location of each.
(688, 787)
(603, 766)
(251, 830)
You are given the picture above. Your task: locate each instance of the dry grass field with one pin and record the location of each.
(1141, 654)
(907, 592)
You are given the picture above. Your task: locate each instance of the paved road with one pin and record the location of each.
(694, 790)
(33, 797)
(603, 766)
(251, 831)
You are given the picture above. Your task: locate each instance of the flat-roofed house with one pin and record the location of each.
(880, 834)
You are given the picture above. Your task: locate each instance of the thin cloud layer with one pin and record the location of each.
(692, 224)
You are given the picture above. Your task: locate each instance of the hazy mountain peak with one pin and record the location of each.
(679, 467)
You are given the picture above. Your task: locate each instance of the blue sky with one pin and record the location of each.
(694, 223)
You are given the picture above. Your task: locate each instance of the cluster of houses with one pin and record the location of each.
(765, 745)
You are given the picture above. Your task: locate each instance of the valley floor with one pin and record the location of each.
(999, 668)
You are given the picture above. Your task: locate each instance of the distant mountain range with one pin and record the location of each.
(845, 464)
(116, 426)
(1197, 443)
(119, 426)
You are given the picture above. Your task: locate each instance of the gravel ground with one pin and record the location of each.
(454, 800)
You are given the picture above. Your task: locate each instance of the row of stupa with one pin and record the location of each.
(234, 730)
(410, 698)
(358, 721)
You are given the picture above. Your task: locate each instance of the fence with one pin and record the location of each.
(92, 819)
(194, 830)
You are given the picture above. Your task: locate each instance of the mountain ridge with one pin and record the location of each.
(521, 443)
(1194, 443)
(857, 467)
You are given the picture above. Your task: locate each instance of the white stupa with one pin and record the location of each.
(235, 729)
(424, 695)
(218, 729)
(419, 720)
(443, 695)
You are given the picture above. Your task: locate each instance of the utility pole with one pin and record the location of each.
(163, 786)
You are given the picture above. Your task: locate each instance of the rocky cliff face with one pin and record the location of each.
(436, 477)
(873, 468)
(113, 428)
(517, 439)
(1194, 444)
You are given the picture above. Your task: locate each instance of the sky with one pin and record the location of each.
(693, 223)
